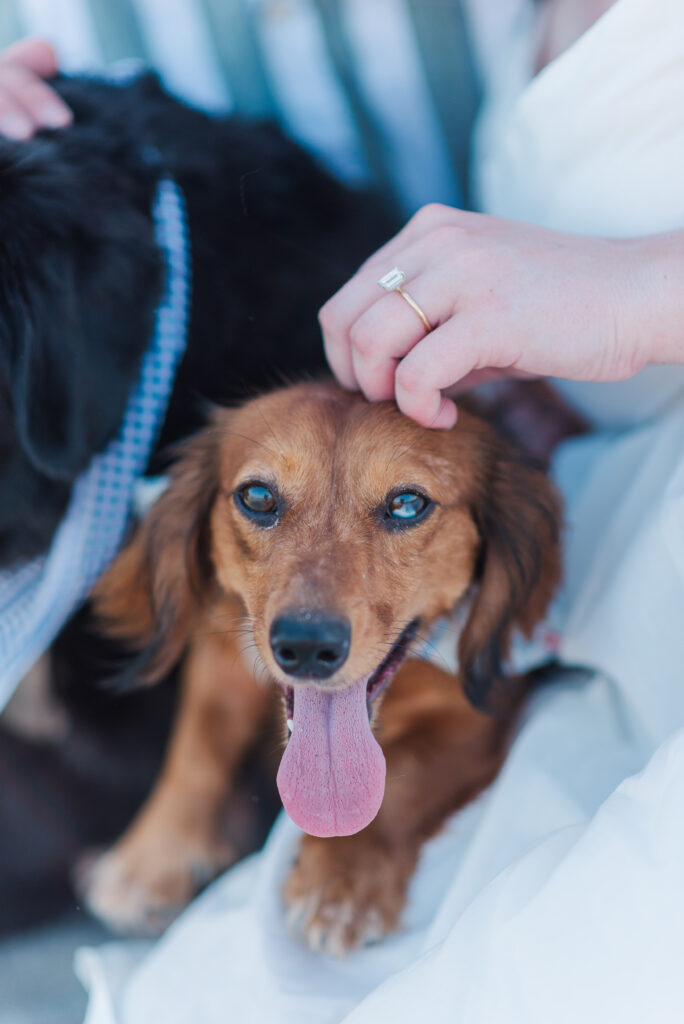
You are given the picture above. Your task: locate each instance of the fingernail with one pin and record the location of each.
(15, 126)
(54, 115)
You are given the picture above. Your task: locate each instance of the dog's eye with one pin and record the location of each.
(258, 500)
(407, 507)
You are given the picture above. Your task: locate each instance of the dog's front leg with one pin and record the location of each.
(174, 845)
(345, 892)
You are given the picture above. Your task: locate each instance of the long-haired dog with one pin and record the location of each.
(318, 536)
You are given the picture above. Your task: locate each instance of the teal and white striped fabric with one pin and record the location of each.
(381, 89)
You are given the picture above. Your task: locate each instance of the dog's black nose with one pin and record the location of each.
(310, 646)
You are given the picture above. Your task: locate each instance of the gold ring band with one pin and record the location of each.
(392, 282)
(414, 306)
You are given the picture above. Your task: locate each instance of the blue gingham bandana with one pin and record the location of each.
(37, 599)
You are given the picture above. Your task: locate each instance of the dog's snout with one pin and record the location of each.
(309, 646)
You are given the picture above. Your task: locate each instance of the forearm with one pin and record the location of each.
(654, 325)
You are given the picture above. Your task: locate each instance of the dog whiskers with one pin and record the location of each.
(428, 643)
(225, 632)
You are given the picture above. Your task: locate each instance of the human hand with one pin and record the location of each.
(503, 298)
(26, 102)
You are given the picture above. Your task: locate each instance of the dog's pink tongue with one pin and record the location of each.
(332, 775)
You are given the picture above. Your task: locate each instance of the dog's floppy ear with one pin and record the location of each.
(517, 513)
(80, 277)
(152, 593)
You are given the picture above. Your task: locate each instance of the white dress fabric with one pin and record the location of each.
(559, 895)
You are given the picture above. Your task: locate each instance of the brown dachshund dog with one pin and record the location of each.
(329, 532)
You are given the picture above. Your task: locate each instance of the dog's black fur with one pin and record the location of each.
(272, 236)
(80, 278)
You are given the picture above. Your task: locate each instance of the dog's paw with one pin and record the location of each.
(139, 887)
(344, 893)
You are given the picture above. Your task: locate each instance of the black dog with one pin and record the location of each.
(272, 236)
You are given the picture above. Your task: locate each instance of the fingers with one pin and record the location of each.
(389, 329)
(387, 354)
(377, 342)
(340, 313)
(36, 55)
(366, 329)
(338, 316)
(15, 121)
(26, 102)
(385, 330)
(445, 364)
(443, 358)
(379, 339)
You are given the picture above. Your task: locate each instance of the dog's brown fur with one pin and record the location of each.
(198, 574)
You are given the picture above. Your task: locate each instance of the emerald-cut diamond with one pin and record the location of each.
(392, 280)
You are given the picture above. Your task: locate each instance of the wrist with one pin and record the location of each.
(652, 328)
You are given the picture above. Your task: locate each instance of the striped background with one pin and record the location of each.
(381, 89)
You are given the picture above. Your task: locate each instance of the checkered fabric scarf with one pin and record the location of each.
(37, 599)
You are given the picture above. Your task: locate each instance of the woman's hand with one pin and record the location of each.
(502, 297)
(26, 102)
